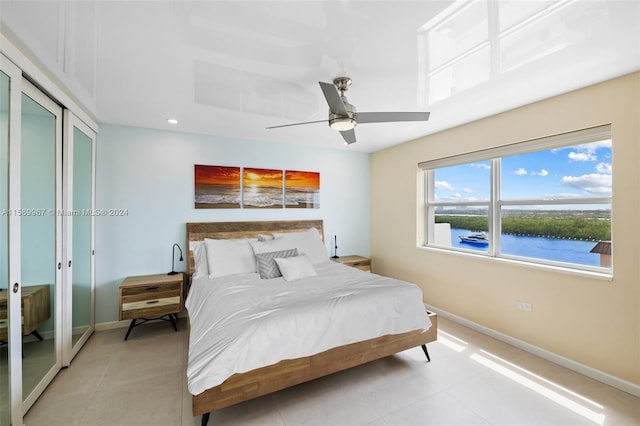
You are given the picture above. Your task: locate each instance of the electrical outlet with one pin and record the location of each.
(524, 306)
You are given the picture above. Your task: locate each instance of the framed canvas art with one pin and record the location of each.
(301, 190)
(217, 187)
(262, 188)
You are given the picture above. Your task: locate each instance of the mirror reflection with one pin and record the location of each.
(81, 280)
(38, 242)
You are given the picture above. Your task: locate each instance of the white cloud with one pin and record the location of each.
(443, 184)
(587, 151)
(520, 172)
(582, 156)
(593, 183)
(542, 172)
(484, 166)
(467, 190)
(604, 168)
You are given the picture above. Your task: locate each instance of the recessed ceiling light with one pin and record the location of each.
(172, 121)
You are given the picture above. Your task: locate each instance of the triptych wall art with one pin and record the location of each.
(224, 187)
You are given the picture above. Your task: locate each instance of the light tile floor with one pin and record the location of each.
(472, 380)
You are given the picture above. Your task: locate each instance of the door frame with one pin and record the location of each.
(14, 299)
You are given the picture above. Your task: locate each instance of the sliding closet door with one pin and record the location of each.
(79, 201)
(33, 236)
(10, 333)
(40, 235)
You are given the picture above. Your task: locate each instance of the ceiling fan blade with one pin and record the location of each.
(333, 98)
(385, 117)
(349, 136)
(297, 124)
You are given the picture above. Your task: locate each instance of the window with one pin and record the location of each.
(544, 201)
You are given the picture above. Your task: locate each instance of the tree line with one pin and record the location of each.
(575, 228)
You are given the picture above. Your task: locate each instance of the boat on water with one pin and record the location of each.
(478, 238)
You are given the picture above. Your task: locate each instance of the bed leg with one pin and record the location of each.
(205, 419)
(426, 352)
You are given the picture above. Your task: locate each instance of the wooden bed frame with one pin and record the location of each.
(245, 386)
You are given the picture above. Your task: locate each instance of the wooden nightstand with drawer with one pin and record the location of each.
(362, 263)
(151, 297)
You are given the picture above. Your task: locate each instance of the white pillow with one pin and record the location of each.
(294, 268)
(297, 234)
(308, 242)
(199, 258)
(229, 257)
(271, 245)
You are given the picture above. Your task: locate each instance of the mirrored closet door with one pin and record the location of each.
(10, 336)
(47, 206)
(79, 222)
(40, 240)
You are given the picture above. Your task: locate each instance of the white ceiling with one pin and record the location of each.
(233, 68)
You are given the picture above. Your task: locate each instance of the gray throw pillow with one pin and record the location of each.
(267, 266)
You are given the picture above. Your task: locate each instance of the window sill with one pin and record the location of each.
(605, 275)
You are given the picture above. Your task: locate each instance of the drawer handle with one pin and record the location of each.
(150, 302)
(153, 288)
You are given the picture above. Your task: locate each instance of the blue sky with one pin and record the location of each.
(576, 171)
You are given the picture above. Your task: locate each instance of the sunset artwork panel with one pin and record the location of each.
(262, 188)
(302, 190)
(217, 187)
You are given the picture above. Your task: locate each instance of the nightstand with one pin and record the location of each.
(362, 263)
(151, 297)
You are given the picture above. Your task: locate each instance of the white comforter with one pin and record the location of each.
(240, 322)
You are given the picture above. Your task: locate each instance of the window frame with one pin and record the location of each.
(495, 203)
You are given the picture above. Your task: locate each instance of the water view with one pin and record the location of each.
(555, 249)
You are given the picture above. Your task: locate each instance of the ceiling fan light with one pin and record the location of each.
(342, 124)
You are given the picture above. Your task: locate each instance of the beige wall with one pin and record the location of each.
(592, 321)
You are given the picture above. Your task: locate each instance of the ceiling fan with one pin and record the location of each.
(343, 116)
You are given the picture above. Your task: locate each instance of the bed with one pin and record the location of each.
(257, 370)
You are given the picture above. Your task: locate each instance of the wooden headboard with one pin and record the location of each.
(198, 231)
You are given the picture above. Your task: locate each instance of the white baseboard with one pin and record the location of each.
(583, 369)
(112, 324)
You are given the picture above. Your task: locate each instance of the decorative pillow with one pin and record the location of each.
(308, 242)
(199, 258)
(294, 268)
(229, 257)
(267, 266)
